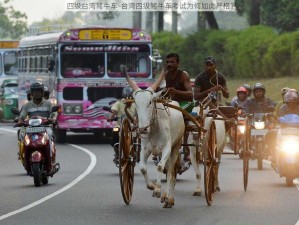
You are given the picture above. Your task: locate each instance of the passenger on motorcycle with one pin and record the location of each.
(290, 106)
(280, 103)
(259, 102)
(249, 89)
(118, 110)
(46, 93)
(38, 106)
(241, 99)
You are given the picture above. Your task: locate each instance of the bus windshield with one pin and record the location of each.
(10, 63)
(104, 60)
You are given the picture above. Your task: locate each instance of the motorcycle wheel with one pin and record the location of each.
(36, 174)
(45, 179)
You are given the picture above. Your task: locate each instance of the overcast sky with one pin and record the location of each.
(36, 10)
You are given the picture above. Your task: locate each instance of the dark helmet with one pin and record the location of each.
(259, 86)
(291, 96)
(127, 92)
(37, 86)
(248, 88)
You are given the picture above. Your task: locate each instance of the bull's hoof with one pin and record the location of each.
(168, 203)
(156, 194)
(151, 186)
(164, 197)
(157, 191)
(197, 192)
(217, 188)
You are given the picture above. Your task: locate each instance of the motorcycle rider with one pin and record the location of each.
(38, 106)
(118, 110)
(290, 106)
(259, 102)
(241, 99)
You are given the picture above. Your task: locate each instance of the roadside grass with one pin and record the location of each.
(273, 86)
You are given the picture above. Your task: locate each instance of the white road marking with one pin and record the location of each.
(93, 160)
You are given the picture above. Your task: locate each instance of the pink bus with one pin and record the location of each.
(81, 67)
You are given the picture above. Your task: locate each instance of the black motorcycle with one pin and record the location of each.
(260, 124)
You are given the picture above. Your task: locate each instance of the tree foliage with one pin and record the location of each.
(13, 22)
(282, 14)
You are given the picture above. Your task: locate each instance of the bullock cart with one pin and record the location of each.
(129, 148)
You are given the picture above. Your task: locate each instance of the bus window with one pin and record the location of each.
(133, 57)
(82, 62)
(10, 63)
(142, 65)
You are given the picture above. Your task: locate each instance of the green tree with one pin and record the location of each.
(282, 14)
(13, 23)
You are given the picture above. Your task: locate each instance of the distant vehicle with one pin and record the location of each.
(8, 97)
(82, 69)
(8, 77)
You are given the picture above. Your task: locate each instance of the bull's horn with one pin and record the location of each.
(130, 81)
(157, 82)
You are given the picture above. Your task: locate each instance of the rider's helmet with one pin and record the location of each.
(259, 86)
(242, 89)
(127, 92)
(291, 96)
(284, 90)
(46, 93)
(248, 88)
(37, 86)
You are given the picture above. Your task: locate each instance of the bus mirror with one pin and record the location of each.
(51, 65)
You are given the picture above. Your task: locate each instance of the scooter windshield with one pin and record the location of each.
(290, 120)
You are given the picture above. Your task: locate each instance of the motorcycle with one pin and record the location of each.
(260, 124)
(34, 143)
(287, 148)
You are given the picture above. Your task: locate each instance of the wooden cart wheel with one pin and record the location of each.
(126, 161)
(246, 154)
(210, 163)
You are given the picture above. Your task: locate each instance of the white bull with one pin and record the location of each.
(221, 142)
(162, 131)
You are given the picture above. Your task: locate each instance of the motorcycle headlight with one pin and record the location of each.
(290, 146)
(241, 129)
(259, 125)
(27, 140)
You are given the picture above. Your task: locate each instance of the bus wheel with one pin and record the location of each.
(60, 135)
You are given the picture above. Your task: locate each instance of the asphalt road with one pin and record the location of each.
(86, 191)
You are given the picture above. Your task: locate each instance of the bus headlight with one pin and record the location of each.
(68, 109)
(77, 109)
(72, 109)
